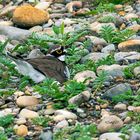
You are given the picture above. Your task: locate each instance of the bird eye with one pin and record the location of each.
(59, 51)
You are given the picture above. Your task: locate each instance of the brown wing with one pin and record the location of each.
(50, 66)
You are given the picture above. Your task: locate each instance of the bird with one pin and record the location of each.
(52, 65)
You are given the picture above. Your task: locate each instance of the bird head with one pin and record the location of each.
(58, 52)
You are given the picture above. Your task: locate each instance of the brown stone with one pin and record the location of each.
(28, 16)
(110, 122)
(22, 130)
(130, 45)
(24, 101)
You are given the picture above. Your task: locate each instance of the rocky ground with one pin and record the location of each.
(101, 100)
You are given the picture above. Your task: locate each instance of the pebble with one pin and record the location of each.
(94, 57)
(49, 111)
(21, 121)
(24, 101)
(36, 29)
(61, 124)
(64, 114)
(6, 23)
(113, 136)
(80, 98)
(96, 26)
(26, 113)
(135, 136)
(13, 33)
(110, 122)
(22, 130)
(127, 120)
(82, 76)
(18, 93)
(114, 70)
(108, 49)
(136, 71)
(127, 57)
(97, 41)
(135, 27)
(70, 6)
(43, 5)
(117, 90)
(129, 16)
(130, 45)
(23, 16)
(46, 136)
(120, 107)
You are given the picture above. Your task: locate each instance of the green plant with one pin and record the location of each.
(41, 121)
(134, 115)
(136, 20)
(24, 81)
(111, 35)
(51, 88)
(103, 7)
(128, 71)
(59, 37)
(91, 65)
(6, 120)
(126, 96)
(98, 83)
(132, 127)
(3, 136)
(107, 19)
(78, 132)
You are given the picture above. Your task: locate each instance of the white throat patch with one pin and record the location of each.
(61, 58)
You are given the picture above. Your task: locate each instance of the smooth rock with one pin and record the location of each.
(127, 57)
(26, 113)
(19, 93)
(110, 122)
(129, 16)
(24, 101)
(43, 5)
(49, 111)
(28, 16)
(22, 130)
(114, 70)
(80, 98)
(117, 90)
(62, 124)
(14, 33)
(36, 29)
(135, 27)
(94, 56)
(130, 45)
(97, 41)
(113, 136)
(70, 6)
(135, 136)
(120, 107)
(136, 71)
(21, 121)
(96, 26)
(82, 76)
(137, 109)
(127, 120)
(6, 23)
(66, 114)
(5, 112)
(46, 136)
(108, 49)
(35, 53)
(7, 10)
